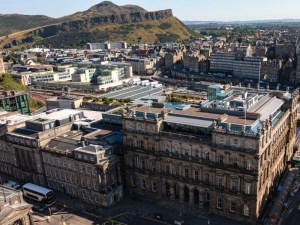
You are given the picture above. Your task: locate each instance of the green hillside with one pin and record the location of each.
(102, 22)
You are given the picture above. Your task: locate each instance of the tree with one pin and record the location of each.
(10, 58)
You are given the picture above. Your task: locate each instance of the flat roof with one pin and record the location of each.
(196, 112)
(270, 108)
(13, 119)
(189, 121)
(58, 114)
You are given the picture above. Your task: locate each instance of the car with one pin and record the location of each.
(13, 185)
(158, 216)
(38, 208)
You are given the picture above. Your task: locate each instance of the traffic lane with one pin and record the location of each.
(292, 215)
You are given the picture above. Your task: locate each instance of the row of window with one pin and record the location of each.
(64, 163)
(73, 191)
(232, 206)
(143, 184)
(71, 178)
(220, 159)
(7, 158)
(186, 173)
(220, 183)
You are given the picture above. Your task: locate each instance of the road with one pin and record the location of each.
(292, 216)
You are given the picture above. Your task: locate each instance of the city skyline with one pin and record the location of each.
(215, 10)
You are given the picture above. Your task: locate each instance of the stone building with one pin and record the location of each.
(14, 210)
(191, 61)
(270, 70)
(90, 173)
(23, 136)
(285, 50)
(51, 149)
(212, 157)
(297, 77)
(172, 56)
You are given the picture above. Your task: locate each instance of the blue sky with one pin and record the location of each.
(225, 10)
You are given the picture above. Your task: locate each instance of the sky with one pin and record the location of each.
(202, 10)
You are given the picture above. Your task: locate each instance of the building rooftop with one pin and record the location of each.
(240, 111)
(5, 193)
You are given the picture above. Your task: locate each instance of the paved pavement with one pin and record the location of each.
(66, 217)
(137, 211)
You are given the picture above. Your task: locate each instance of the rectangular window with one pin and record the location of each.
(234, 185)
(219, 203)
(221, 159)
(232, 207)
(186, 173)
(247, 188)
(235, 142)
(221, 140)
(143, 164)
(235, 161)
(220, 182)
(248, 165)
(246, 210)
(132, 162)
(153, 167)
(167, 169)
(206, 156)
(196, 175)
(153, 186)
(206, 177)
(143, 183)
(132, 180)
(176, 171)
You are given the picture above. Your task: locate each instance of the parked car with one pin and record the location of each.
(13, 185)
(38, 208)
(158, 216)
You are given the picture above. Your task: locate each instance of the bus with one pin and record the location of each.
(38, 194)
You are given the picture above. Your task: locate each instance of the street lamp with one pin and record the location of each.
(50, 213)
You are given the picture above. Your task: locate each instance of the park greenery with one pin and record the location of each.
(106, 101)
(7, 83)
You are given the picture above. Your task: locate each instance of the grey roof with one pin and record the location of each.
(270, 108)
(62, 144)
(191, 121)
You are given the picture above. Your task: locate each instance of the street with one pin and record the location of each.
(292, 215)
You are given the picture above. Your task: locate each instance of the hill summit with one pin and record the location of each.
(101, 22)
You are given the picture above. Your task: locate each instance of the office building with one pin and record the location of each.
(226, 156)
(238, 66)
